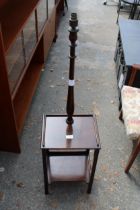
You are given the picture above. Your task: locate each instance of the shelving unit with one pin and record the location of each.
(27, 30)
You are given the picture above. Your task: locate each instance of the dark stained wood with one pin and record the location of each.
(69, 159)
(95, 159)
(84, 133)
(44, 153)
(134, 70)
(68, 139)
(2, 3)
(73, 23)
(8, 131)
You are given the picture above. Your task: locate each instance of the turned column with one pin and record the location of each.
(73, 29)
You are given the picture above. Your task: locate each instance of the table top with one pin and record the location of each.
(130, 36)
(83, 134)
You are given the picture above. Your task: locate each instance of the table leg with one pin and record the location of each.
(96, 153)
(44, 159)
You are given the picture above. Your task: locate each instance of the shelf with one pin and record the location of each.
(70, 168)
(25, 93)
(13, 17)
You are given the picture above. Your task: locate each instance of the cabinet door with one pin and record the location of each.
(20, 52)
(15, 61)
(49, 33)
(29, 36)
(42, 14)
(51, 4)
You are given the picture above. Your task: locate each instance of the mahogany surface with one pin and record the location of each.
(84, 133)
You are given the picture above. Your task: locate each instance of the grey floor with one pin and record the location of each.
(21, 176)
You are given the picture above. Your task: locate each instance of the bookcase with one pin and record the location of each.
(27, 30)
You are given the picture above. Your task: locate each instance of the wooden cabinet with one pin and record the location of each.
(27, 30)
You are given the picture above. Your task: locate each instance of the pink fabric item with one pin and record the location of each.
(131, 110)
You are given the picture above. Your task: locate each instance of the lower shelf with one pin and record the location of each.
(68, 168)
(25, 93)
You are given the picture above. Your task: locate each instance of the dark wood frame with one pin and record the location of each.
(80, 151)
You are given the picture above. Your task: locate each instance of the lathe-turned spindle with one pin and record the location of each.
(73, 29)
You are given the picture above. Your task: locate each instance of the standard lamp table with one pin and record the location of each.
(66, 149)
